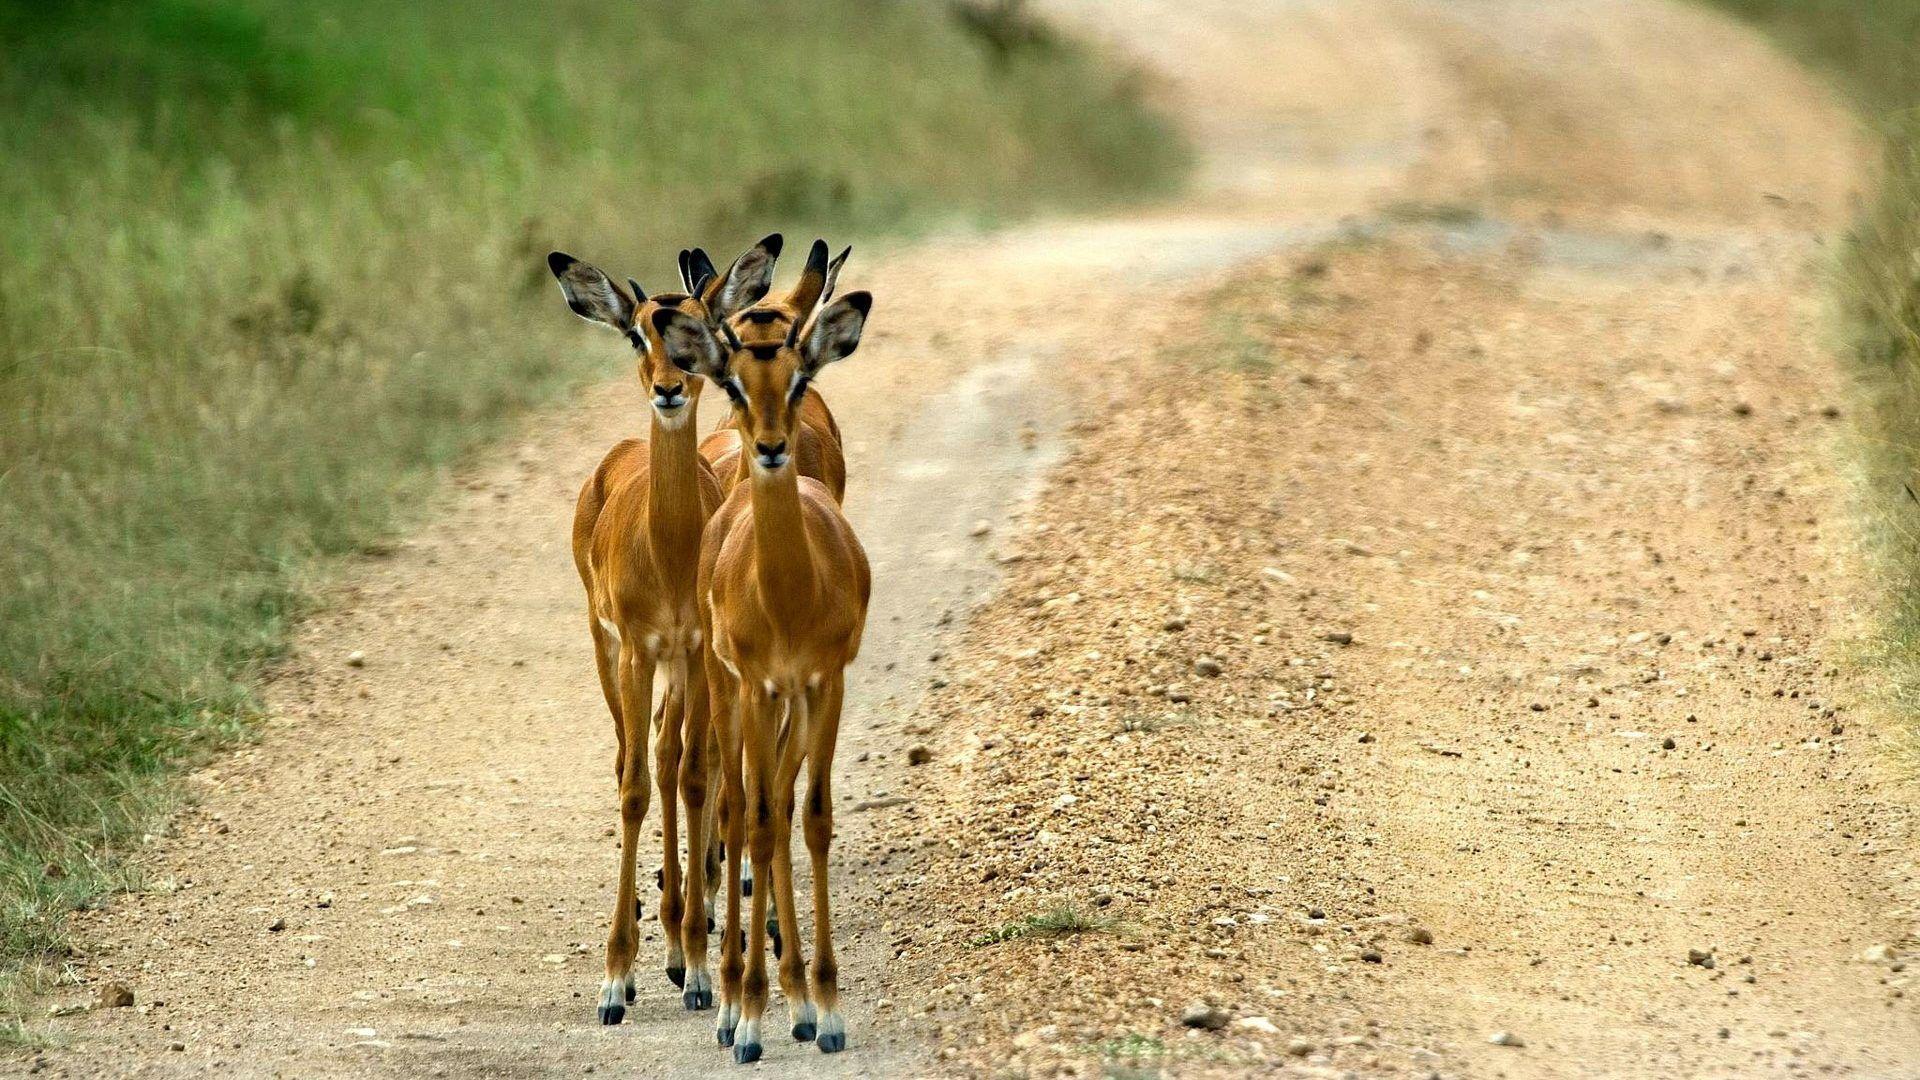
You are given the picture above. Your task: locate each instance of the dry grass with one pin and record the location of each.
(1871, 48)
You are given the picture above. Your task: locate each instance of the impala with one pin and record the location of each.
(636, 542)
(784, 586)
(817, 445)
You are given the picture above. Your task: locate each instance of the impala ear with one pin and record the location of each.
(690, 343)
(746, 281)
(591, 293)
(835, 332)
(701, 274)
(812, 285)
(833, 273)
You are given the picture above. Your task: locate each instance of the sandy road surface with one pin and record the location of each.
(435, 829)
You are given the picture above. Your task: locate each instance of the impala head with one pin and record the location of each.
(709, 300)
(765, 356)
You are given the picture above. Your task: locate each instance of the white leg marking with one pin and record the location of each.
(610, 640)
(801, 1012)
(613, 994)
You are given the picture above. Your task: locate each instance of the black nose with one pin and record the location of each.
(668, 392)
(771, 451)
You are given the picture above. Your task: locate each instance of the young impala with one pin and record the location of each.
(817, 445)
(784, 585)
(636, 543)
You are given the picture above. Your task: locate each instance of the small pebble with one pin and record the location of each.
(1204, 1016)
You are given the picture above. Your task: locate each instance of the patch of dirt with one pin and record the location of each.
(1429, 676)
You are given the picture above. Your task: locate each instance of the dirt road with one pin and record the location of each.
(1489, 341)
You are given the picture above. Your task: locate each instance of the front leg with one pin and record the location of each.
(636, 702)
(793, 959)
(818, 823)
(760, 811)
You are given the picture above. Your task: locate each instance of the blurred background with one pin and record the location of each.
(269, 264)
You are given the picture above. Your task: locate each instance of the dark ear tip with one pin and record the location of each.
(844, 252)
(817, 256)
(560, 262)
(773, 243)
(861, 301)
(639, 294)
(663, 316)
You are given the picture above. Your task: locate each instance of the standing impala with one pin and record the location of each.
(817, 445)
(785, 586)
(636, 542)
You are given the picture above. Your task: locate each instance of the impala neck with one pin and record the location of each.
(674, 520)
(783, 553)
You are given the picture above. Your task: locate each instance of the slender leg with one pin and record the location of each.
(636, 701)
(666, 775)
(606, 657)
(715, 860)
(818, 823)
(793, 959)
(693, 777)
(729, 704)
(758, 810)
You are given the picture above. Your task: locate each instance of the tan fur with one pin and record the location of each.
(785, 586)
(818, 450)
(636, 542)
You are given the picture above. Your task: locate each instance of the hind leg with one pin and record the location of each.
(666, 775)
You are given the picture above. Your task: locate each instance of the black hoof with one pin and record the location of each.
(695, 1000)
(709, 924)
(677, 976)
(724, 1035)
(776, 946)
(832, 1044)
(612, 1014)
(746, 1053)
(629, 993)
(639, 909)
(743, 941)
(660, 879)
(803, 1032)
(746, 886)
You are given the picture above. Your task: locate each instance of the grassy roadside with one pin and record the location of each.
(271, 265)
(1871, 48)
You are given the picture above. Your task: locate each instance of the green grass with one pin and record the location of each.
(1871, 48)
(1063, 921)
(271, 266)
